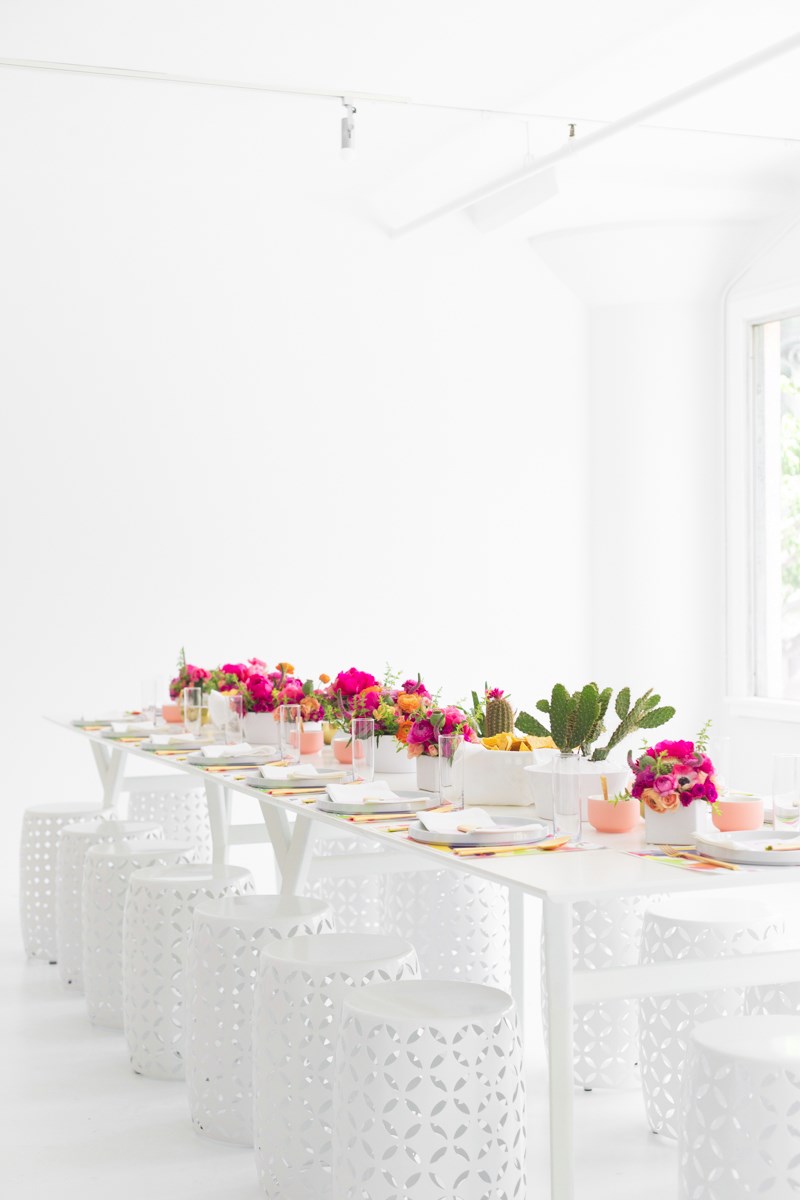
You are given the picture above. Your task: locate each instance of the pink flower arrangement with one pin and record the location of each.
(422, 734)
(355, 693)
(672, 773)
(189, 676)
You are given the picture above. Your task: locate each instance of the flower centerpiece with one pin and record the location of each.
(264, 692)
(354, 693)
(188, 675)
(420, 735)
(676, 783)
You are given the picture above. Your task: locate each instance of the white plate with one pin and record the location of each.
(297, 785)
(749, 847)
(502, 837)
(406, 802)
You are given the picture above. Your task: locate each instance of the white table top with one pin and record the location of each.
(582, 875)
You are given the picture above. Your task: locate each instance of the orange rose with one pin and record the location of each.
(407, 703)
(658, 803)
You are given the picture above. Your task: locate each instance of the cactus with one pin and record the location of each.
(577, 718)
(498, 714)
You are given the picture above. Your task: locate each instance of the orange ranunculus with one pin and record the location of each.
(375, 688)
(402, 731)
(287, 668)
(658, 803)
(324, 678)
(408, 703)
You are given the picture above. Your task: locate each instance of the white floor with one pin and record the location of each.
(76, 1121)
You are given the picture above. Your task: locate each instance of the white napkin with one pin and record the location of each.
(172, 739)
(219, 709)
(132, 726)
(363, 793)
(478, 820)
(227, 751)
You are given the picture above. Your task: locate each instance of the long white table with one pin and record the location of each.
(558, 880)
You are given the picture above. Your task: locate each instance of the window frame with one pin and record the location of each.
(742, 554)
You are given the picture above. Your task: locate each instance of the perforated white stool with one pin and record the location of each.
(106, 875)
(179, 806)
(458, 923)
(38, 855)
(158, 916)
(738, 1120)
(222, 967)
(429, 1094)
(695, 926)
(606, 1033)
(295, 1023)
(73, 843)
(358, 901)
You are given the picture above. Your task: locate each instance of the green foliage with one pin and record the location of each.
(701, 741)
(577, 719)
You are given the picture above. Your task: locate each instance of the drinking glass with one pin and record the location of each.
(362, 745)
(451, 770)
(567, 797)
(193, 710)
(151, 699)
(291, 725)
(719, 751)
(785, 791)
(234, 725)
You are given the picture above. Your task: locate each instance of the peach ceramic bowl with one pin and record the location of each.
(738, 811)
(606, 817)
(171, 713)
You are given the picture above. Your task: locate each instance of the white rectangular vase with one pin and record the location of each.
(427, 773)
(677, 826)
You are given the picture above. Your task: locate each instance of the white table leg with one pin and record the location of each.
(558, 950)
(219, 819)
(516, 918)
(294, 871)
(110, 765)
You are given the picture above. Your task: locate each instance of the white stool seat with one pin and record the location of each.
(158, 915)
(696, 926)
(38, 854)
(429, 1095)
(295, 1022)
(227, 938)
(106, 875)
(738, 1122)
(73, 843)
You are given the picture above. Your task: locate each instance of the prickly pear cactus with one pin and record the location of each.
(499, 716)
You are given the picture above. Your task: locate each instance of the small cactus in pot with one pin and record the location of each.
(577, 719)
(498, 713)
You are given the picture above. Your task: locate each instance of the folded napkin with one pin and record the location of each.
(219, 709)
(364, 793)
(227, 751)
(472, 820)
(132, 726)
(172, 739)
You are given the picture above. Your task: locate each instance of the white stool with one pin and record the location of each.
(357, 901)
(38, 853)
(429, 1095)
(222, 967)
(738, 1120)
(158, 916)
(73, 843)
(295, 1023)
(467, 940)
(606, 1033)
(180, 807)
(696, 926)
(106, 875)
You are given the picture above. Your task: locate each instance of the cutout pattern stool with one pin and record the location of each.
(74, 842)
(38, 855)
(738, 1118)
(357, 901)
(704, 926)
(158, 916)
(469, 938)
(227, 938)
(106, 875)
(295, 1024)
(179, 806)
(429, 1095)
(606, 1033)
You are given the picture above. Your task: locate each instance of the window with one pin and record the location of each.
(775, 549)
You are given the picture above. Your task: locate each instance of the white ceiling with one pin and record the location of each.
(582, 60)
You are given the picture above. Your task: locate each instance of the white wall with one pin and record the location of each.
(238, 417)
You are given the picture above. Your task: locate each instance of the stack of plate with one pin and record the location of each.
(751, 847)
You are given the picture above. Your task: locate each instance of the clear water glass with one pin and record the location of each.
(290, 726)
(362, 746)
(151, 699)
(786, 791)
(193, 710)
(234, 726)
(567, 797)
(451, 770)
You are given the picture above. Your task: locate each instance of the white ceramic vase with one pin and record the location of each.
(391, 757)
(540, 782)
(678, 825)
(261, 729)
(428, 773)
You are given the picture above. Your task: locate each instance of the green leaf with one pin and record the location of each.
(527, 724)
(587, 710)
(560, 712)
(543, 705)
(656, 717)
(623, 704)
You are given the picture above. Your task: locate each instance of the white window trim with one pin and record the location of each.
(742, 313)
